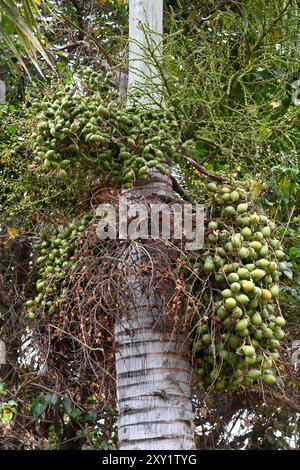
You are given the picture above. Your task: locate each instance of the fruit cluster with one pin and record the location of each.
(55, 261)
(238, 342)
(86, 125)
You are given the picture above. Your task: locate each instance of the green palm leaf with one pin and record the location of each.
(24, 26)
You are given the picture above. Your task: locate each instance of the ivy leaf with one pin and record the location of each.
(76, 415)
(51, 399)
(67, 403)
(91, 416)
(37, 407)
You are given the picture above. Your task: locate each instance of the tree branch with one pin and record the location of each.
(203, 170)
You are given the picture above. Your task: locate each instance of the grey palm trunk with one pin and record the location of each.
(153, 372)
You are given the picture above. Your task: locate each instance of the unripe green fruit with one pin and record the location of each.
(264, 251)
(229, 210)
(272, 325)
(208, 266)
(240, 222)
(262, 263)
(212, 187)
(226, 293)
(206, 338)
(258, 236)
(250, 360)
(221, 313)
(219, 385)
(230, 303)
(228, 268)
(269, 379)
(31, 315)
(212, 237)
(242, 324)
(229, 247)
(256, 319)
(257, 291)
(275, 243)
(227, 322)
(279, 254)
(213, 225)
(268, 333)
(279, 334)
(280, 321)
(233, 277)
(52, 309)
(242, 299)
(274, 343)
(224, 354)
(254, 303)
(234, 342)
(40, 285)
(201, 329)
(258, 274)
(266, 231)
(244, 333)
(243, 273)
(235, 287)
(270, 308)
(248, 350)
(255, 343)
(281, 267)
(237, 312)
(234, 196)
(254, 373)
(250, 267)
(244, 252)
(246, 232)
(62, 174)
(274, 291)
(272, 267)
(241, 208)
(225, 197)
(236, 241)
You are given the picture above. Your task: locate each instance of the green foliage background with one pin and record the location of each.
(227, 76)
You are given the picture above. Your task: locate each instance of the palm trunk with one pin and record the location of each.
(2, 86)
(152, 362)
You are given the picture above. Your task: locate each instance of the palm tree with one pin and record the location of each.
(152, 361)
(24, 23)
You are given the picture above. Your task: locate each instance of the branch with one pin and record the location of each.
(202, 170)
(89, 36)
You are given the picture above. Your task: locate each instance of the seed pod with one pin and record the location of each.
(242, 208)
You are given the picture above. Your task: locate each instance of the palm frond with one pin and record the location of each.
(24, 25)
